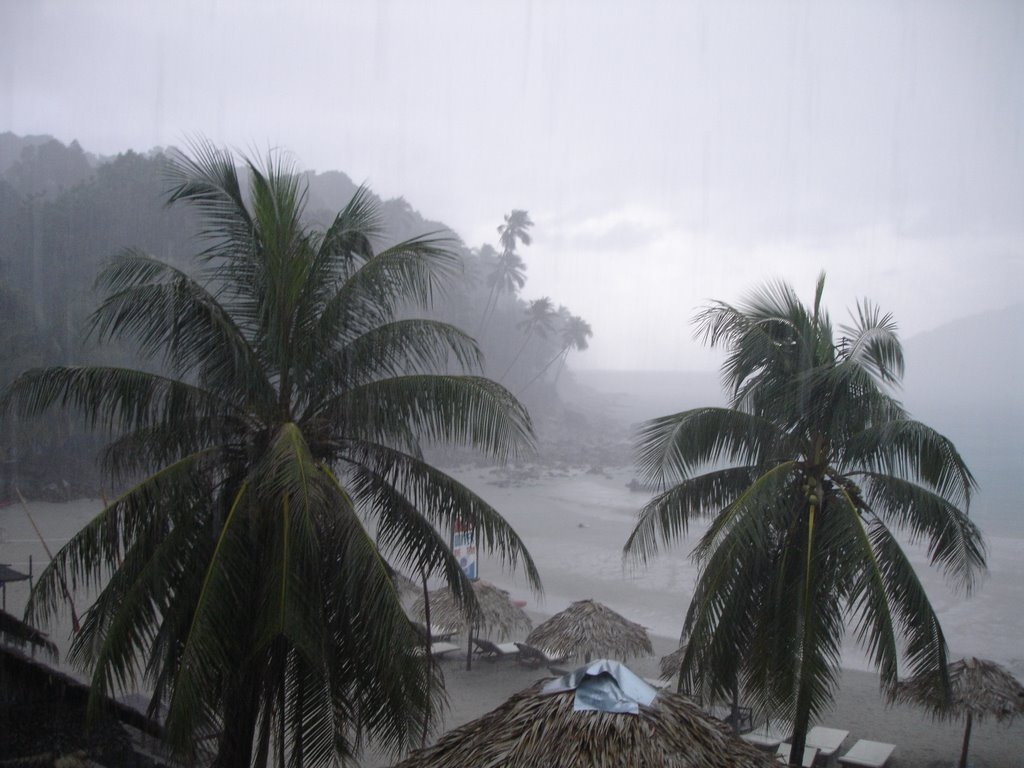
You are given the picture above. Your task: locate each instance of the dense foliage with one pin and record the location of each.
(63, 213)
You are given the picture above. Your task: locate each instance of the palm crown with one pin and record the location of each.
(240, 575)
(805, 479)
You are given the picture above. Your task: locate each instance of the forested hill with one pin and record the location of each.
(65, 212)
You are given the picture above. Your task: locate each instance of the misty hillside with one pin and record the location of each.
(977, 354)
(963, 379)
(64, 213)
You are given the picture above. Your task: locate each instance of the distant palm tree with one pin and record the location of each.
(509, 273)
(515, 229)
(576, 333)
(805, 479)
(540, 318)
(508, 276)
(237, 573)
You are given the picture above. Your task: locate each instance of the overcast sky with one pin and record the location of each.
(669, 153)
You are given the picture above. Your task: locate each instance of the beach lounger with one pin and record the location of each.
(744, 717)
(810, 755)
(494, 651)
(827, 740)
(868, 754)
(438, 649)
(436, 633)
(769, 735)
(536, 657)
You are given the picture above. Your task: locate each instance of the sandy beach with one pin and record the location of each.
(859, 708)
(574, 524)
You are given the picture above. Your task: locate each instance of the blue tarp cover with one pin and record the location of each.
(604, 686)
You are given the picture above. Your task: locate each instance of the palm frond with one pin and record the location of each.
(456, 410)
(440, 499)
(666, 519)
(925, 647)
(872, 342)
(669, 449)
(168, 313)
(207, 179)
(122, 399)
(909, 449)
(954, 541)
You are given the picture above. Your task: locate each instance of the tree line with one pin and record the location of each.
(65, 214)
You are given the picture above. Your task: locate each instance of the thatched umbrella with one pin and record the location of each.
(497, 614)
(559, 726)
(587, 628)
(978, 689)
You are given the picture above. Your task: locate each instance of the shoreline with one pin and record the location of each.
(858, 707)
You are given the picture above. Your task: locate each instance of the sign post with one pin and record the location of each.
(464, 548)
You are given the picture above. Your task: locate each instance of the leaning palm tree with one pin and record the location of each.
(805, 481)
(575, 334)
(539, 321)
(516, 229)
(507, 276)
(279, 423)
(509, 273)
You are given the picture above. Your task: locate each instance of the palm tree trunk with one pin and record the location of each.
(299, 749)
(564, 353)
(263, 747)
(516, 358)
(280, 724)
(736, 708)
(492, 296)
(240, 715)
(426, 618)
(802, 718)
(967, 742)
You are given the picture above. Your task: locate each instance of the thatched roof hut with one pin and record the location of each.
(588, 629)
(978, 689)
(535, 729)
(43, 717)
(498, 614)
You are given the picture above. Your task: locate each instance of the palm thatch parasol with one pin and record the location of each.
(497, 614)
(978, 689)
(587, 628)
(497, 611)
(540, 729)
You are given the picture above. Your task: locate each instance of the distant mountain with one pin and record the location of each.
(964, 379)
(979, 355)
(634, 396)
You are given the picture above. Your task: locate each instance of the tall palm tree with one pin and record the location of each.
(806, 480)
(236, 574)
(539, 321)
(509, 273)
(508, 276)
(516, 229)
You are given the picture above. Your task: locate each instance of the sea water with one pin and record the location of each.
(575, 525)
